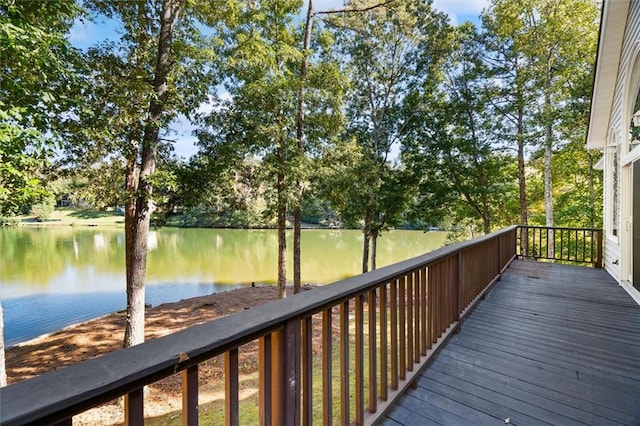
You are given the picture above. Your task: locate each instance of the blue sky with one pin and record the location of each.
(85, 34)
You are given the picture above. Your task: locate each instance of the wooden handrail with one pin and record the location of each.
(577, 245)
(432, 292)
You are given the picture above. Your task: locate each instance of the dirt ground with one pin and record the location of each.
(99, 336)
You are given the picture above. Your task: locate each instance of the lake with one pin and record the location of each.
(57, 276)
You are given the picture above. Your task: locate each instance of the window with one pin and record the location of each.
(634, 128)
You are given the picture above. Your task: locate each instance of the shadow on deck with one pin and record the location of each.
(551, 344)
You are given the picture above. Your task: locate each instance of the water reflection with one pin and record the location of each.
(74, 270)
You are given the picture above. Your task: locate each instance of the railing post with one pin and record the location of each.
(344, 364)
(499, 238)
(134, 408)
(327, 367)
(265, 380)
(599, 248)
(231, 388)
(459, 291)
(190, 396)
(307, 371)
(286, 374)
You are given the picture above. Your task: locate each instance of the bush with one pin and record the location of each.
(42, 210)
(8, 221)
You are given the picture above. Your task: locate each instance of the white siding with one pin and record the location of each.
(619, 119)
(611, 255)
(627, 86)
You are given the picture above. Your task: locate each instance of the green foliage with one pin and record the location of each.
(38, 59)
(42, 209)
(8, 221)
(395, 77)
(387, 52)
(543, 52)
(22, 160)
(463, 178)
(38, 67)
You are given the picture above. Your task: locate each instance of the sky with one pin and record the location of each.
(85, 34)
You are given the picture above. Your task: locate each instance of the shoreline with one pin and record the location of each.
(103, 334)
(163, 399)
(102, 314)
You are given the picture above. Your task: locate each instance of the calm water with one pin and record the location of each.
(54, 277)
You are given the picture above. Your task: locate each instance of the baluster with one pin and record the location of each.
(373, 386)
(190, 396)
(265, 380)
(393, 311)
(307, 371)
(134, 408)
(232, 407)
(402, 326)
(409, 309)
(359, 361)
(424, 341)
(327, 367)
(344, 363)
(384, 351)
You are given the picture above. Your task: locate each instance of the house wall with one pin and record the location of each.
(617, 253)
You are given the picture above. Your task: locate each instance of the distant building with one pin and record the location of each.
(64, 201)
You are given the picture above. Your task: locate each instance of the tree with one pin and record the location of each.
(23, 157)
(37, 68)
(386, 52)
(256, 118)
(453, 153)
(300, 124)
(554, 42)
(273, 106)
(161, 66)
(512, 97)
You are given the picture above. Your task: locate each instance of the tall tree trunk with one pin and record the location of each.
(374, 249)
(132, 322)
(548, 186)
(522, 184)
(548, 195)
(365, 248)
(297, 235)
(522, 180)
(486, 222)
(137, 222)
(3, 371)
(282, 211)
(282, 231)
(297, 240)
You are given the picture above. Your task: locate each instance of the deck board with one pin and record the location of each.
(551, 344)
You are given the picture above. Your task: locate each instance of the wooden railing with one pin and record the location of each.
(579, 245)
(375, 331)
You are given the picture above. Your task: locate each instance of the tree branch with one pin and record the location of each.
(364, 9)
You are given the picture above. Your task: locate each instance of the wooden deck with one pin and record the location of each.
(551, 344)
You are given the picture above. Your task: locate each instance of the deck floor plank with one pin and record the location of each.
(554, 401)
(551, 344)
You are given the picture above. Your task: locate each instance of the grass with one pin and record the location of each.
(211, 410)
(78, 217)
